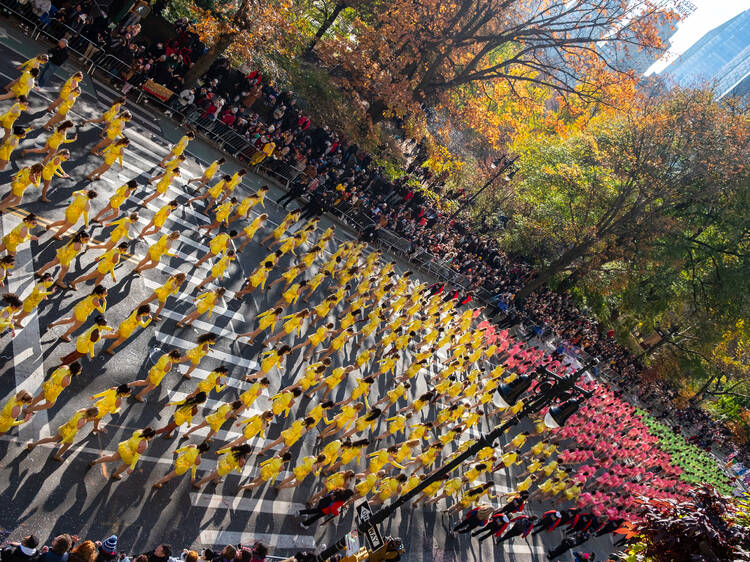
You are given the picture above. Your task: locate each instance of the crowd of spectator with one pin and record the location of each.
(334, 173)
(71, 548)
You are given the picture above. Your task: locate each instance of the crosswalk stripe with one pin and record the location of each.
(239, 503)
(202, 325)
(222, 356)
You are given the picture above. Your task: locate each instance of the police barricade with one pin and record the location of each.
(114, 67)
(278, 169)
(22, 12)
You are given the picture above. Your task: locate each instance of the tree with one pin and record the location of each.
(704, 529)
(607, 195)
(424, 50)
(241, 29)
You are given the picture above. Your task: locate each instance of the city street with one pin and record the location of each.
(42, 496)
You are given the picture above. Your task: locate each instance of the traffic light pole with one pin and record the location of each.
(545, 398)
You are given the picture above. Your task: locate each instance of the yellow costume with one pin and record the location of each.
(83, 309)
(129, 449)
(77, 207)
(38, 294)
(186, 460)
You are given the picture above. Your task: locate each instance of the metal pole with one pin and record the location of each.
(564, 384)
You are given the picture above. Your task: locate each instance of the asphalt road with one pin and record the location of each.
(45, 497)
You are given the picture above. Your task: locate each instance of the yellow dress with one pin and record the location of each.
(8, 118)
(33, 62)
(210, 172)
(108, 261)
(115, 128)
(181, 145)
(160, 369)
(250, 395)
(219, 243)
(160, 217)
(308, 380)
(270, 360)
(205, 302)
(211, 382)
(253, 426)
(170, 287)
(197, 353)
(121, 230)
(186, 460)
(67, 104)
(111, 113)
(15, 238)
(331, 451)
(24, 84)
(69, 429)
(365, 486)
(128, 326)
(67, 254)
(220, 267)
(77, 208)
(8, 146)
(183, 416)
(52, 387)
(107, 403)
(282, 403)
(304, 468)
(159, 248)
(292, 434)
(85, 307)
(23, 180)
(270, 469)
(227, 463)
(217, 419)
(216, 189)
(84, 343)
(223, 211)
(38, 294)
(294, 323)
(52, 168)
(120, 196)
(7, 420)
(252, 228)
(129, 449)
(388, 487)
(163, 184)
(57, 138)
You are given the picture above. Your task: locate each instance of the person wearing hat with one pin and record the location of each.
(107, 549)
(24, 552)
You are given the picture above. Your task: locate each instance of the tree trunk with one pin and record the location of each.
(327, 23)
(205, 61)
(697, 398)
(553, 269)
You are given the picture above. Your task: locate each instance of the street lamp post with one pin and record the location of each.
(555, 387)
(502, 164)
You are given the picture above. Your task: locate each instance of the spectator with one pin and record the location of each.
(160, 554)
(227, 554)
(107, 550)
(24, 552)
(84, 552)
(58, 552)
(57, 56)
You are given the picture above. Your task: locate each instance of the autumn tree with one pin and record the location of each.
(707, 527)
(612, 191)
(240, 29)
(419, 51)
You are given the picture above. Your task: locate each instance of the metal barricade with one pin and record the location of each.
(278, 169)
